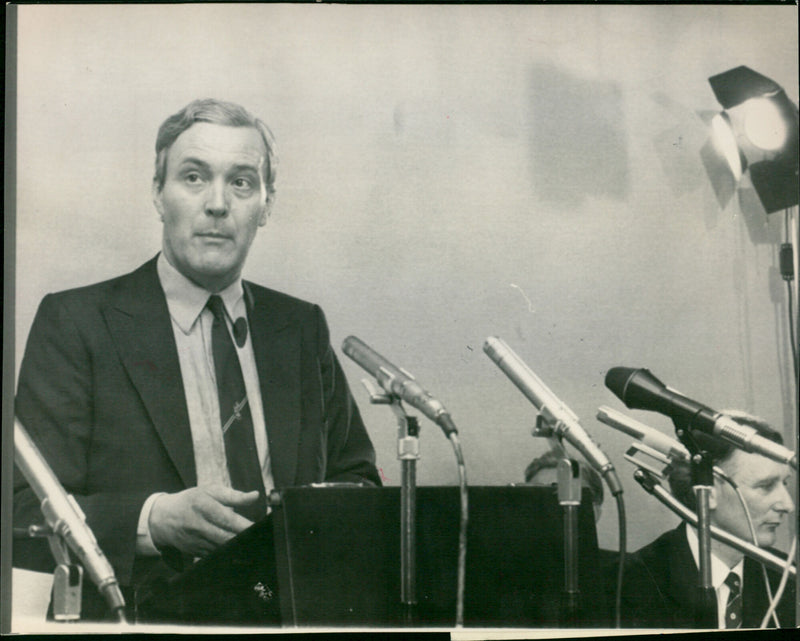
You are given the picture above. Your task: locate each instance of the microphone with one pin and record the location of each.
(647, 435)
(566, 422)
(398, 382)
(640, 390)
(65, 518)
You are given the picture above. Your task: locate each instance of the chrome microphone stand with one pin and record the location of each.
(569, 497)
(702, 471)
(65, 526)
(67, 591)
(408, 455)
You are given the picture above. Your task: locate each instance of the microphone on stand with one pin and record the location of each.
(650, 437)
(639, 389)
(398, 382)
(647, 435)
(566, 423)
(65, 518)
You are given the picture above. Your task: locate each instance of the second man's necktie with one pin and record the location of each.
(234, 411)
(733, 609)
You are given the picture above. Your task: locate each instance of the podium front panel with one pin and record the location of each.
(338, 558)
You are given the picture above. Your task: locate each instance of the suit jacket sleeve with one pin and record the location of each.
(350, 454)
(55, 404)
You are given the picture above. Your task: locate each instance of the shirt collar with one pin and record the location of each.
(186, 300)
(719, 570)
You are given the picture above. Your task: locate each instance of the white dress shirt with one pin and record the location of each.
(191, 325)
(719, 572)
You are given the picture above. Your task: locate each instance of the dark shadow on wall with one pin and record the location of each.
(676, 145)
(577, 137)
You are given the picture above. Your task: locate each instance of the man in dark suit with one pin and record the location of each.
(121, 385)
(661, 579)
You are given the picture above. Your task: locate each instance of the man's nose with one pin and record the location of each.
(784, 502)
(217, 201)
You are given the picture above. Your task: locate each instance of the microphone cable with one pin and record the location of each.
(623, 542)
(781, 585)
(462, 528)
(786, 263)
(773, 600)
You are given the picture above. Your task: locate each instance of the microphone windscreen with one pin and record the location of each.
(639, 389)
(617, 379)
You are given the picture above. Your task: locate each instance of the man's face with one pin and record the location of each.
(763, 484)
(212, 202)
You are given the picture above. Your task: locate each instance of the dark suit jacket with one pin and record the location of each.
(100, 392)
(660, 587)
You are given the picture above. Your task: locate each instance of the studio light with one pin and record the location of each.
(725, 142)
(757, 133)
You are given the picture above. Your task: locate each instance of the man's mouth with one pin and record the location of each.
(213, 235)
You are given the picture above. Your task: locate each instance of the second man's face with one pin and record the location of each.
(212, 202)
(764, 487)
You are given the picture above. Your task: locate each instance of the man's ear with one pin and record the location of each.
(156, 194)
(266, 210)
(712, 499)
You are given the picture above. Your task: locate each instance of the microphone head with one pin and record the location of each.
(637, 388)
(617, 378)
(354, 348)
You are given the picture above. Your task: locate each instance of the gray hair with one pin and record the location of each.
(216, 112)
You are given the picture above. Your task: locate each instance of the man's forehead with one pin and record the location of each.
(748, 467)
(204, 138)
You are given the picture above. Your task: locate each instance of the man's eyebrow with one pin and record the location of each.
(245, 167)
(190, 160)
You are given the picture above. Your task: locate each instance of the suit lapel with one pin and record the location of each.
(139, 322)
(276, 345)
(754, 596)
(684, 577)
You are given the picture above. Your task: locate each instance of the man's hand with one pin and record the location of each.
(200, 519)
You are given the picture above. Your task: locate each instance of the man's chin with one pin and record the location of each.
(766, 539)
(213, 275)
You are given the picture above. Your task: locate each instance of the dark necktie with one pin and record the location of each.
(733, 609)
(237, 423)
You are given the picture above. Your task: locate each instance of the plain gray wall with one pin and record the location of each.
(446, 174)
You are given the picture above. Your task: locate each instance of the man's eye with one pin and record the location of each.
(767, 486)
(242, 183)
(192, 178)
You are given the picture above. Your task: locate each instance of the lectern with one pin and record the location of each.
(331, 557)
